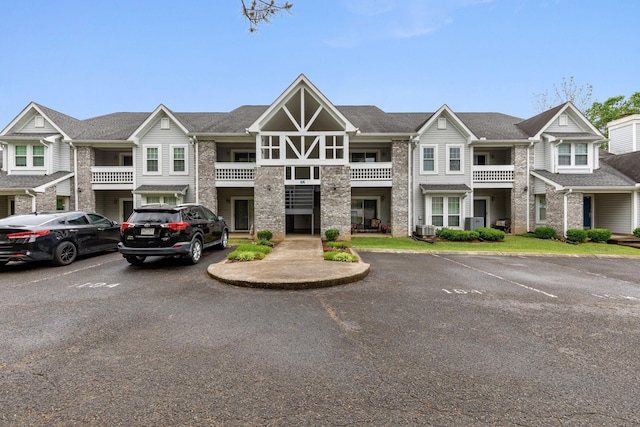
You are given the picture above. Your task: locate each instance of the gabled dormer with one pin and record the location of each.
(34, 141)
(302, 127)
(567, 142)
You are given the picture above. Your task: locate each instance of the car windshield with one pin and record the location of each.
(155, 217)
(28, 220)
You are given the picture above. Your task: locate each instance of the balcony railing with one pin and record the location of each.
(371, 171)
(112, 174)
(493, 173)
(235, 174)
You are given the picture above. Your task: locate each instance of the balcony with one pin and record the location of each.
(112, 177)
(376, 174)
(493, 174)
(231, 174)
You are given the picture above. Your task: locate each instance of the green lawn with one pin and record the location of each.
(511, 243)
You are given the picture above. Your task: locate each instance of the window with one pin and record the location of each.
(152, 160)
(38, 155)
(270, 147)
(334, 147)
(428, 160)
(21, 155)
(541, 208)
(445, 211)
(244, 157)
(454, 159)
(179, 159)
(169, 200)
(576, 154)
(364, 157)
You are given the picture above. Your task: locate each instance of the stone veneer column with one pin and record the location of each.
(556, 210)
(335, 200)
(519, 190)
(268, 204)
(400, 189)
(575, 210)
(86, 195)
(23, 203)
(207, 191)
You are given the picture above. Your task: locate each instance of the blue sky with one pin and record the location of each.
(88, 58)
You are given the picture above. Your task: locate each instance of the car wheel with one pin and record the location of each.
(65, 253)
(3, 263)
(195, 253)
(135, 259)
(224, 240)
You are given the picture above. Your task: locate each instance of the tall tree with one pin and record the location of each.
(259, 11)
(568, 90)
(601, 113)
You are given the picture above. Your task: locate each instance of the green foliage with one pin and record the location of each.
(251, 247)
(265, 243)
(264, 235)
(636, 232)
(331, 234)
(338, 245)
(599, 234)
(340, 256)
(601, 113)
(490, 234)
(577, 235)
(249, 252)
(545, 232)
(441, 232)
(459, 235)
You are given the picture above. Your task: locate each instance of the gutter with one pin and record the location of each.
(194, 141)
(33, 200)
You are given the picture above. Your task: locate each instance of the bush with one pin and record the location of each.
(250, 247)
(331, 234)
(459, 235)
(600, 234)
(545, 233)
(490, 234)
(340, 256)
(636, 232)
(264, 235)
(249, 252)
(577, 235)
(338, 245)
(263, 242)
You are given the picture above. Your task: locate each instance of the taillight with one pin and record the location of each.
(177, 226)
(126, 225)
(28, 234)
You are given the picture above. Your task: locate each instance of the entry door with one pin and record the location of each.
(127, 209)
(587, 212)
(480, 210)
(242, 214)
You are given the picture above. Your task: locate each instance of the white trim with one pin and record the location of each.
(487, 200)
(38, 121)
(172, 148)
(435, 159)
(448, 159)
(442, 123)
(145, 147)
(428, 211)
(537, 208)
(165, 123)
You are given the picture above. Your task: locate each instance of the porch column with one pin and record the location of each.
(400, 189)
(83, 176)
(207, 191)
(335, 200)
(268, 204)
(519, 190)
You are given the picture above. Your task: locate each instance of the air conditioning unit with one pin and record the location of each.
(425, 230)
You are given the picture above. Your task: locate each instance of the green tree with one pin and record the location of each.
(259, 11)
(601, 113)
(568, 90)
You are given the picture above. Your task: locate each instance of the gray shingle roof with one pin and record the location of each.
(535, 124)
(627, 164)
(437, 188)
(606, 176)
(162, 189)
(27, 182)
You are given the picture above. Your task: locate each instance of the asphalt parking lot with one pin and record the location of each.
(424, 340)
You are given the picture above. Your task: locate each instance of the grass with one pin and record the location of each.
(511, 243)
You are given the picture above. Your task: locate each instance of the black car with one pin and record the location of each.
(55, 236)
(179, 231)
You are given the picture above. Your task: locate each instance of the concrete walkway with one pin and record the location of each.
(294, 263)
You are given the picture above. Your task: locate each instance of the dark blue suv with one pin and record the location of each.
(182, 231)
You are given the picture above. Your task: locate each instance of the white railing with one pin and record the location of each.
(493, 173)
(228, 171)
(112, 174)
(371, 171)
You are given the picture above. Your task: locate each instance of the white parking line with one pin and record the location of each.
(522, 285)
(66, 273)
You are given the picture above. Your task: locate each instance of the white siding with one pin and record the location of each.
(573, 125)
(613, 212)
(621, 140)
(30, 127)
(61, 157)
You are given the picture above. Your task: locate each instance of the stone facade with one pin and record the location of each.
(86, 195)
(335, 200)
(269, 203)
(207, 157)
(23, 203)
(519, 190)
(575, 210)
(400, 189)
(556, 210)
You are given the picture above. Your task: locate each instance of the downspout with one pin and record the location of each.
(413, 141)
(194, 142)
(566, 215)
(75, 174)
(33, 200)
(528, 190)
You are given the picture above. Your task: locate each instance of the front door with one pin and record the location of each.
(242, 214)
(480, 210)
(586, 209)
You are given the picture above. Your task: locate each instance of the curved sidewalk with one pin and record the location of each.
(294, 263)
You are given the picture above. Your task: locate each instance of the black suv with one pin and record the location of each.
(165, 230)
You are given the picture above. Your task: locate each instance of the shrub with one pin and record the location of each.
(441, 232)
(545, 232)
(264, 235)
(636, 232)
(459, 235)
(331, 234)
(577, 235)
(249, 252)
(250, 247)
(338, 245)
(340, 256)
(599, 234)
(263, 242)
(490, 234)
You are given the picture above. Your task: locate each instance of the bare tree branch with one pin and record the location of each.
(260, 11)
